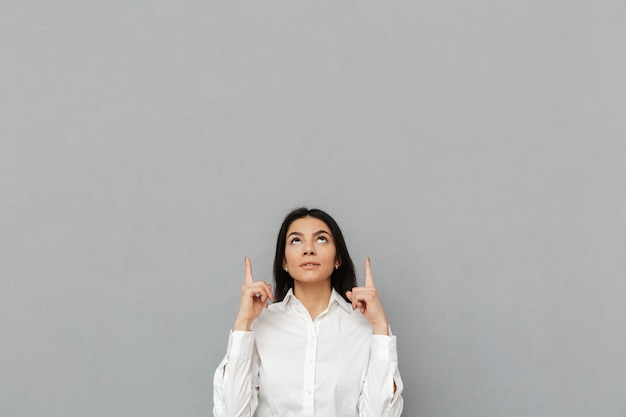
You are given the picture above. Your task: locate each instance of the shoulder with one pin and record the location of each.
(345, 321)
(271, 315)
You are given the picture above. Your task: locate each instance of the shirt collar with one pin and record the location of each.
(335, 297)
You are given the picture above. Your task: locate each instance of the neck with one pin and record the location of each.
(314, 297)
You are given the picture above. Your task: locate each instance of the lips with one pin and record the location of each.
(309, 264)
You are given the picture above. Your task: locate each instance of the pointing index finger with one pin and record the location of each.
(247, 275)
(369, 279)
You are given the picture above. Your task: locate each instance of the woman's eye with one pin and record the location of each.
(322, 239)
(295, 241)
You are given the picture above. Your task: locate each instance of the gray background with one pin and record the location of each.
(474, 150)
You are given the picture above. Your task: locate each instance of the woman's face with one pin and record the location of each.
(310, 252)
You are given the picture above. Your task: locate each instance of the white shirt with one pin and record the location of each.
(292, 366)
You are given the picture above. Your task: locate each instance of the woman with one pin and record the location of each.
(322, 348)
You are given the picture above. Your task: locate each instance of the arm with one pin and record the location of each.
(236, 380)
(381, 393)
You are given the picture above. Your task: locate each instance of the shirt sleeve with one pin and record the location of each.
(381, 394)
(236, 380)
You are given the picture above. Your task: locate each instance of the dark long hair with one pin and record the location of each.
(342, 279)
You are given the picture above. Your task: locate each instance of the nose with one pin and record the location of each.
(307, 250)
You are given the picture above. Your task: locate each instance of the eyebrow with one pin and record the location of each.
(319, 232)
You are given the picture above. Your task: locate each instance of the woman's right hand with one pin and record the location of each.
(254, 298)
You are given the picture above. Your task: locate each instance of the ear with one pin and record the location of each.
(284, 263)
(338, 262)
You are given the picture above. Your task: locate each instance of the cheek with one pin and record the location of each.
(290, 253)
(331, 255)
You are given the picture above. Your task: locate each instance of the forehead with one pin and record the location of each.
(307, 225)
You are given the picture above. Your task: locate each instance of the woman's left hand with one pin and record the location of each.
(367, 301)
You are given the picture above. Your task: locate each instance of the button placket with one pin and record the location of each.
(308, 399)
